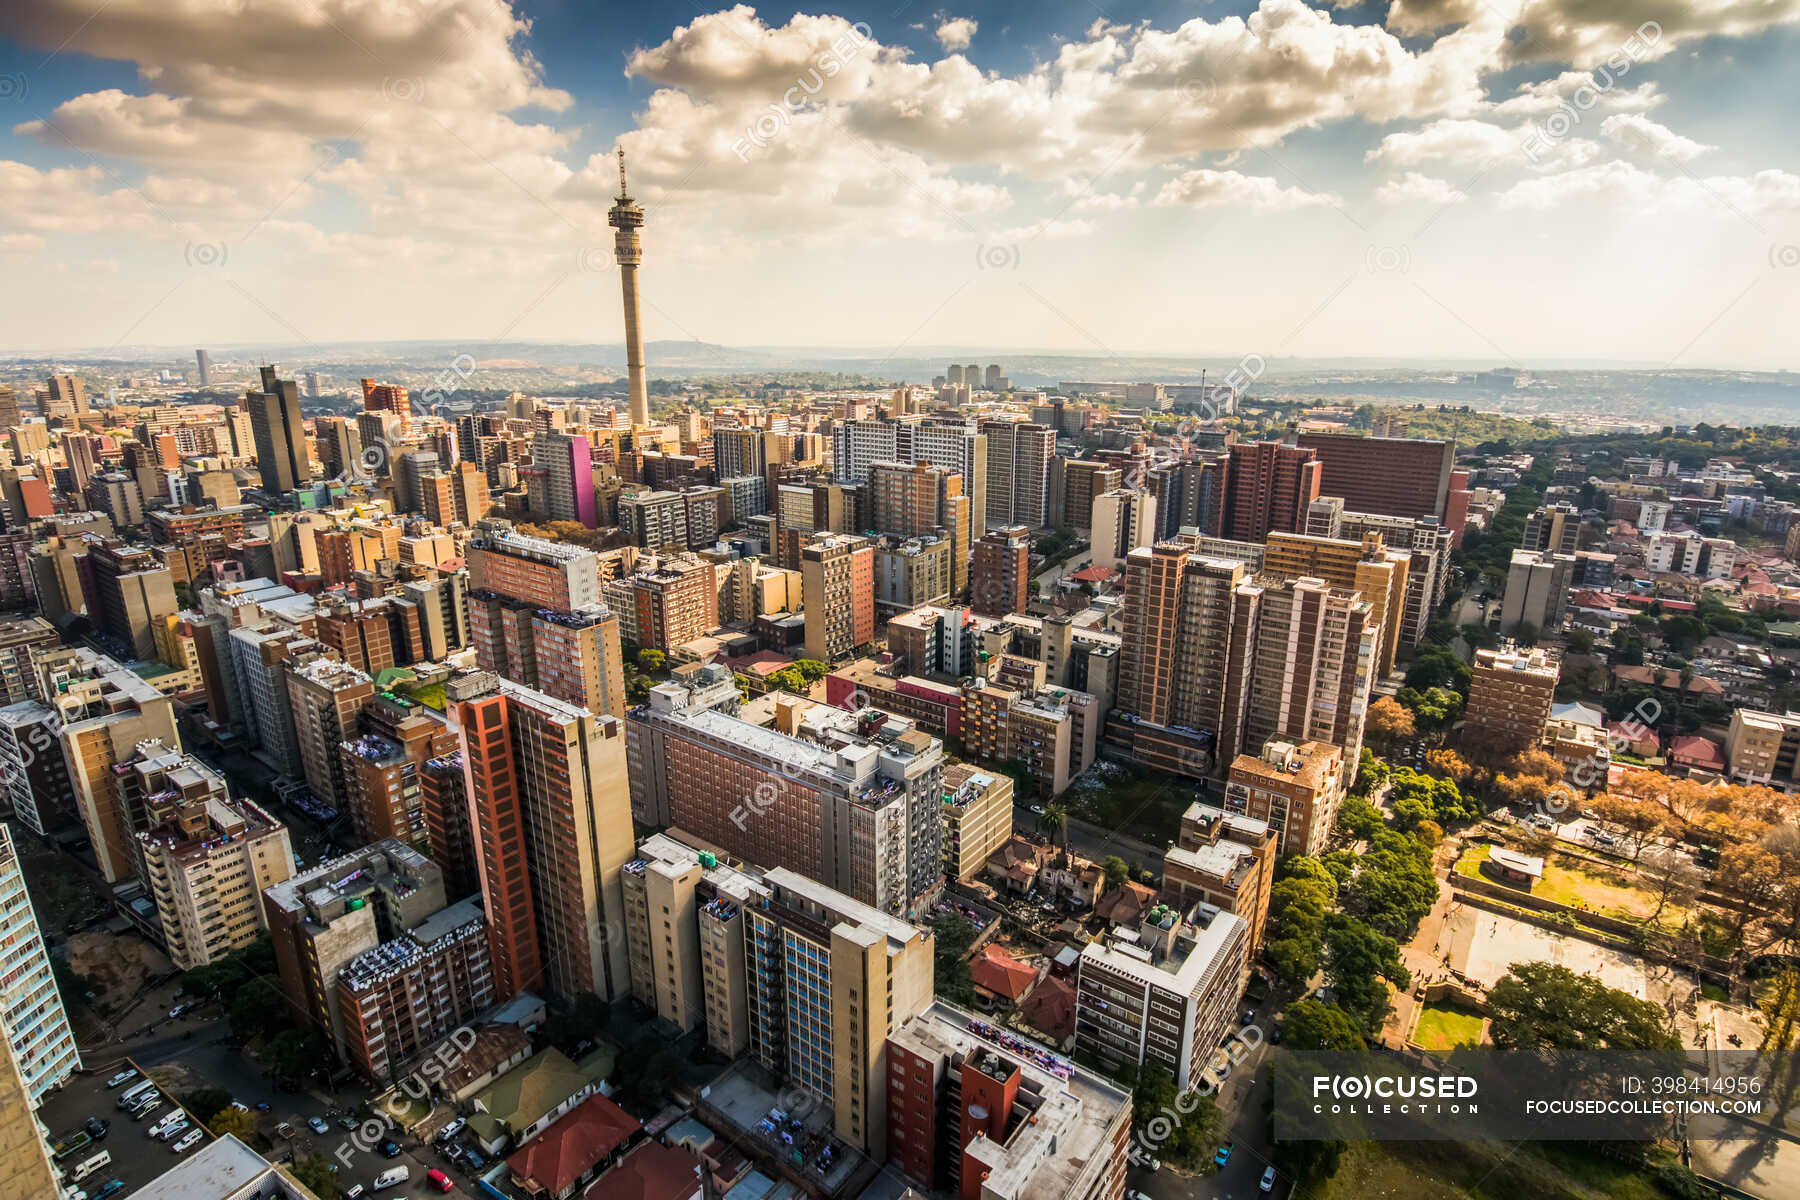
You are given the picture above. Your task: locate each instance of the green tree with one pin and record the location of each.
(1547, 1006)
(235, 1121)
(258, 1008)
(1055, 823)
(1359, 818)
(1358, 959)
(1314, 1025)
(952, 935)
(319, 1176)
(1117, 873)
(811, 669)
(651, 661)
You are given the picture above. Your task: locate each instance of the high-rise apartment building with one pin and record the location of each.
(1227, 860)
(387, 398)
(20, 637)
(383, 758)
(849, 799)
(1164, 993)
(326, 696)
(668, 601)
(1365, 565)
(837, 574)
(975, 1110)
(1554, 529)
(921, 500)
(1510, 697)
(1018, 472)
(537, 616)
(1074, 482)
(33, 775)
(31, 1012)
(1124, 519)
(564, 462)
(105, 711)
(1294, 789)
(1393, 476)
(833, 979)
(978, 818)
(1207, 649)
(407, 994)
(1537, 591)
(1000, 575)
(551, 813)
(65, 396)
(207, 858)
(322, 920)
(279, 434)
(1268, 486)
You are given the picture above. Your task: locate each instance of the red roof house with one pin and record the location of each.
(653, 1171)
(1696, 753)
(1000, 976)
(570, 1151)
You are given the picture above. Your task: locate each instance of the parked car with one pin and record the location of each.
(473, 1159)
(355, 1193)
(1223, 1155)
(123, 1077)
(112, 1186)
(284, 1130)
(96, 1128)
(438, 1180)
(392, 1177)
(175, 1130)
(263, 1106)
(389, 1148)
(188, 1141)
(452, 1129)
(1268, 1180)
(318, 1125)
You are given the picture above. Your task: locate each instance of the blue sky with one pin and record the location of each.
(1497, 180)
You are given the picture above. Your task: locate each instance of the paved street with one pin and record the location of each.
(1093, 842)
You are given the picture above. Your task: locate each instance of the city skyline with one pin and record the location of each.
(1460, 182)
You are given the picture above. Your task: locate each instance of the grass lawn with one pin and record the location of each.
(1484, 1171)
(1715, 993)
(1569, 882)
(1612, 894)
(1441, 1027)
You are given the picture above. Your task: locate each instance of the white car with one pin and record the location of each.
(1038, 809)
(452, 1129)
(125, 1076)
(188, 1141)
(179, 1127)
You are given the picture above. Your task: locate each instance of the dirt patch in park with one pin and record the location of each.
(115, 965)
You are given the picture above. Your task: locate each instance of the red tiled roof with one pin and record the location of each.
(1698, 751)
(1051, 1008)
(763, 662)
(578, 1140)
(653, 1171)
(1094, 575)
(997, 971)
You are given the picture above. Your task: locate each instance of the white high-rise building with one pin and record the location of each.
(30, 1009)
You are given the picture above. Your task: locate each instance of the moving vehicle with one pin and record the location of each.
(1223, 1155)
(392, 1177)
(318, 1125)
(188, 1141)
(90, 1166)
(1268, 1180)
(438, 1180)
(125, 1076)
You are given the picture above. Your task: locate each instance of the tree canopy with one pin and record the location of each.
(1548, 1006)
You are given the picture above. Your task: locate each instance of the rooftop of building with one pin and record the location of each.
(388, 863)
(791, 885)
(1192, 947)
(1309, 764)
(964, 784)
(650, 1171)
(223, 1169)
(523, 1095)
(1074, 1118)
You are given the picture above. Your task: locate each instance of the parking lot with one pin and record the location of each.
(136, 1158)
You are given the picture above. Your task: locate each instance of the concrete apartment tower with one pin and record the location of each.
(627, 216)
